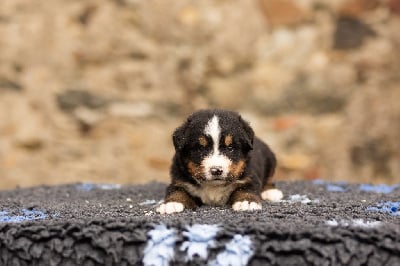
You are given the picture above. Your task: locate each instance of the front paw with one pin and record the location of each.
(246, 206)
(272, 194)
(170, 207)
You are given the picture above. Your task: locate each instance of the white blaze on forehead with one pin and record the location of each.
(215, 159)
(214, 131)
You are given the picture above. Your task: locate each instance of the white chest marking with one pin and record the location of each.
(211, 194)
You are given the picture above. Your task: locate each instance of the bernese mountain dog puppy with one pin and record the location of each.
(218, 161)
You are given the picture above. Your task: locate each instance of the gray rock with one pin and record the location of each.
(72, 98)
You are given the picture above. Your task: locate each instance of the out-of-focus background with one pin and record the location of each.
(91, 90)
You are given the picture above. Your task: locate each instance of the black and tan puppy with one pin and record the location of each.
(219, 161)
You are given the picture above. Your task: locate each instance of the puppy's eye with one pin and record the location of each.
(201, 147)
(230, 148)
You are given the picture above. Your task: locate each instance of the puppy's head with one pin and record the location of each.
(214, 145)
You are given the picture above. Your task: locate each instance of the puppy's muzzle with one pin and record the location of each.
(216, 171)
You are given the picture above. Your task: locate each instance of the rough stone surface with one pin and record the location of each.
(93, 89)
(316, 224)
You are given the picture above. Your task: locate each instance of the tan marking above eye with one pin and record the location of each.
(203, 141)
(228, 140)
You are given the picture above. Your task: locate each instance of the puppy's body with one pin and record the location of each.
(219, 161)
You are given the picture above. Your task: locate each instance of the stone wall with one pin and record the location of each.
(91, 90)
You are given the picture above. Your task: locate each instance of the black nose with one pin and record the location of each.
(216, 171)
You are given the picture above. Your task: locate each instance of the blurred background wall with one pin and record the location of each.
(91, 90)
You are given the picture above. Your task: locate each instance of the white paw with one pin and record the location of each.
(170, 207)
(272, 194)
(246, 206)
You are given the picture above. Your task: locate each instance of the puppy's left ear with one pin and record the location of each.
(248, 133)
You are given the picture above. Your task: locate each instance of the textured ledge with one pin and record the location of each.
(318, 223)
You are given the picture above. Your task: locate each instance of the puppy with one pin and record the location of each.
(218, 161)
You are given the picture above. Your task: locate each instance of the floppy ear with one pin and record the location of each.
(248, 133)
(179, 137)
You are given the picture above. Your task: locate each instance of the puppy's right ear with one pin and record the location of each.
(180, 137)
